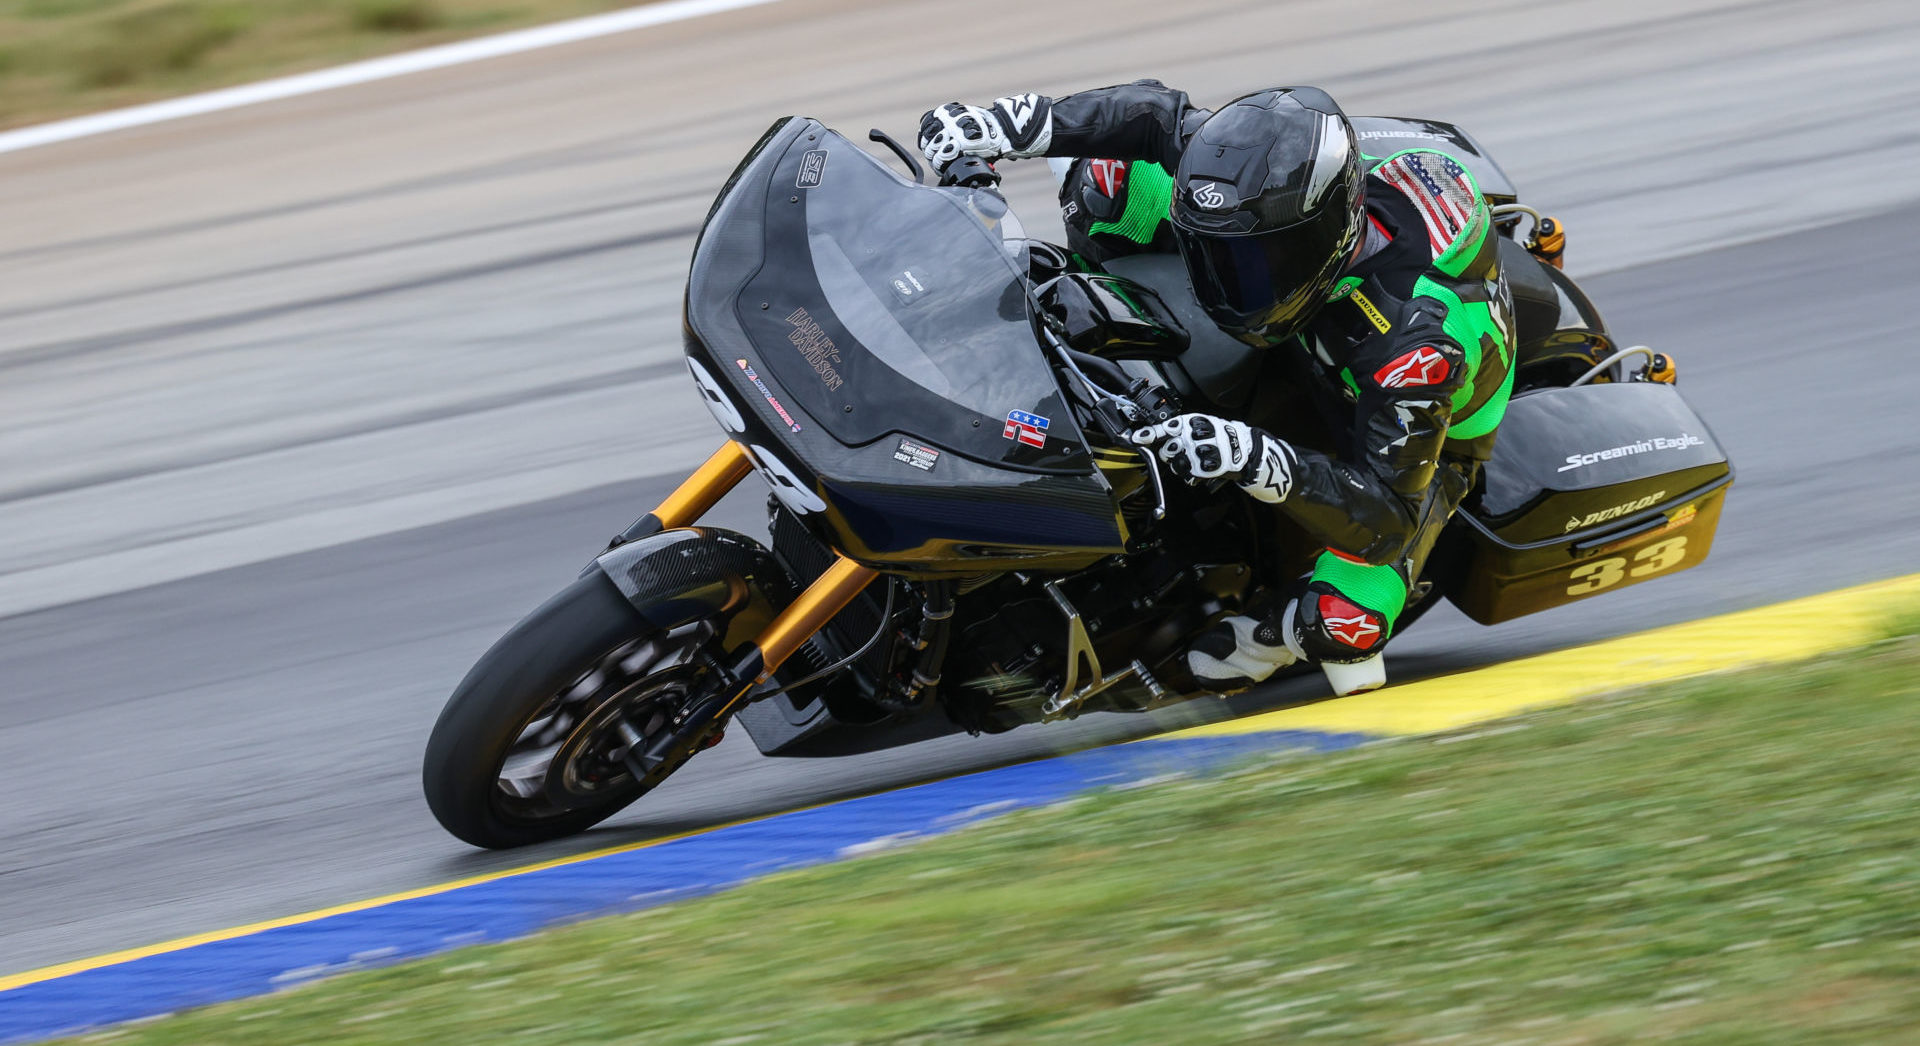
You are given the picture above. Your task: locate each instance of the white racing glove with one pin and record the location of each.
(1013, 128)
(1201, 447)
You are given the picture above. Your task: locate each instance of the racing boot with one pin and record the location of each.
(1238, 652)
(1241, 651)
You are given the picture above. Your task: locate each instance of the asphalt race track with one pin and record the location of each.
(302, 404)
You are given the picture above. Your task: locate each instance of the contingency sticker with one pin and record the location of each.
(813, 166)
(1030, 429)
(918, 455)
(778, 408)
(907, 287)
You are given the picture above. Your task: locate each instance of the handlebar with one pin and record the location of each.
(971, 172)
(968, 172)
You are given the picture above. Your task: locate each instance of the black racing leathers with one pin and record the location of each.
(1143, 120)
(1387, 347)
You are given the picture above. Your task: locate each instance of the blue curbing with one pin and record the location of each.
(516, 905)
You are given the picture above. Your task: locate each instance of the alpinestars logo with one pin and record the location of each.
(1273, 476)
(1348, 624)
(1423, 366)
(1109, 176)
(1020, 109)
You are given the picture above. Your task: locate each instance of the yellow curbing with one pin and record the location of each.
(1788, 631)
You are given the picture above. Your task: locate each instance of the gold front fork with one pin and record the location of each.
(809, 612)
(789, 629)
(704, 489)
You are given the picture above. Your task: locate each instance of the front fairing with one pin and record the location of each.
(885, 306)
(874, 336)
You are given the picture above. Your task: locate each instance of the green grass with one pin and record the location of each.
(1734, 861)
(1901, 621)
(64, 57)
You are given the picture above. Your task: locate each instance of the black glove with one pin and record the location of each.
(1201, 447)
(1013, 128)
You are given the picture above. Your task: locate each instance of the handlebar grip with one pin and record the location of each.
(971, 172)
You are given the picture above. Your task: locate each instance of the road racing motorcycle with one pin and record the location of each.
(958, 526)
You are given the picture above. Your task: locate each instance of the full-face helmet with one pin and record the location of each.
(1267, 210)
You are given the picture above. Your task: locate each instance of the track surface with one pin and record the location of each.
(449, 303)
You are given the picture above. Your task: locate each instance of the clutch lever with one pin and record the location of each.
(1118, 415)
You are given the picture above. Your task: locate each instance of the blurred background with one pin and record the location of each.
(303, 403)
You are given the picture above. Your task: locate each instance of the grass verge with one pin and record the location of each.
(1729, 861)
(66, 57)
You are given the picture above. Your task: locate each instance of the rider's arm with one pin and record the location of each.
(1143, 120)
(1369, 504)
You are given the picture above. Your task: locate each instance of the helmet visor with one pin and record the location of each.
(1269, 283)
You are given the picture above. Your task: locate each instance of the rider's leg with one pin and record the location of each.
(1340, 620)
(1340, 617)
(1348, 612)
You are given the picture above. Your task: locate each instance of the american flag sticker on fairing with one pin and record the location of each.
(1030, 429)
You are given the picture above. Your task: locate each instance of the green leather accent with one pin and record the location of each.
(1488, 417)
(1378, 588)
(1346, 286)
(1149, 201)
(1470, 324)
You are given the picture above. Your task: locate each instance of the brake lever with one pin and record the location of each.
(1118, 416)
(1159, 488)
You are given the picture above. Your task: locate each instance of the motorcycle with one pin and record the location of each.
(958, 525)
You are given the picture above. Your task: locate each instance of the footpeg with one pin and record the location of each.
(1065, 703)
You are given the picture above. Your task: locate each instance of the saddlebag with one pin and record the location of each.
(1590, 489)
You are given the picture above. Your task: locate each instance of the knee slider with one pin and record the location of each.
(1332, 628)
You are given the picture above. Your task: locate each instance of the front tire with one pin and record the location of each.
(520, 753)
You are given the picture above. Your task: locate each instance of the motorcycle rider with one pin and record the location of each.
(1380, 275)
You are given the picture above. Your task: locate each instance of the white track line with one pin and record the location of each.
(373, 69)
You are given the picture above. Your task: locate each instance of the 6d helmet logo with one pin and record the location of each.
(1210, 196)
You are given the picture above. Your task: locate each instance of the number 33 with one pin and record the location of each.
(1659, 556)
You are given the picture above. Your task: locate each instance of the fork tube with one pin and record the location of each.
(699, 492)
(789, 629)
(807, 614)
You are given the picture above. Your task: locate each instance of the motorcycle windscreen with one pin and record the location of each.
(883, 307)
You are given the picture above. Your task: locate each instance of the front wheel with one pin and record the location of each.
(533, 743)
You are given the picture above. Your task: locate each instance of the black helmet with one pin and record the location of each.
(1267, 209)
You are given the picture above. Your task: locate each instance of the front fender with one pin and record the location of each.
(679, 576)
